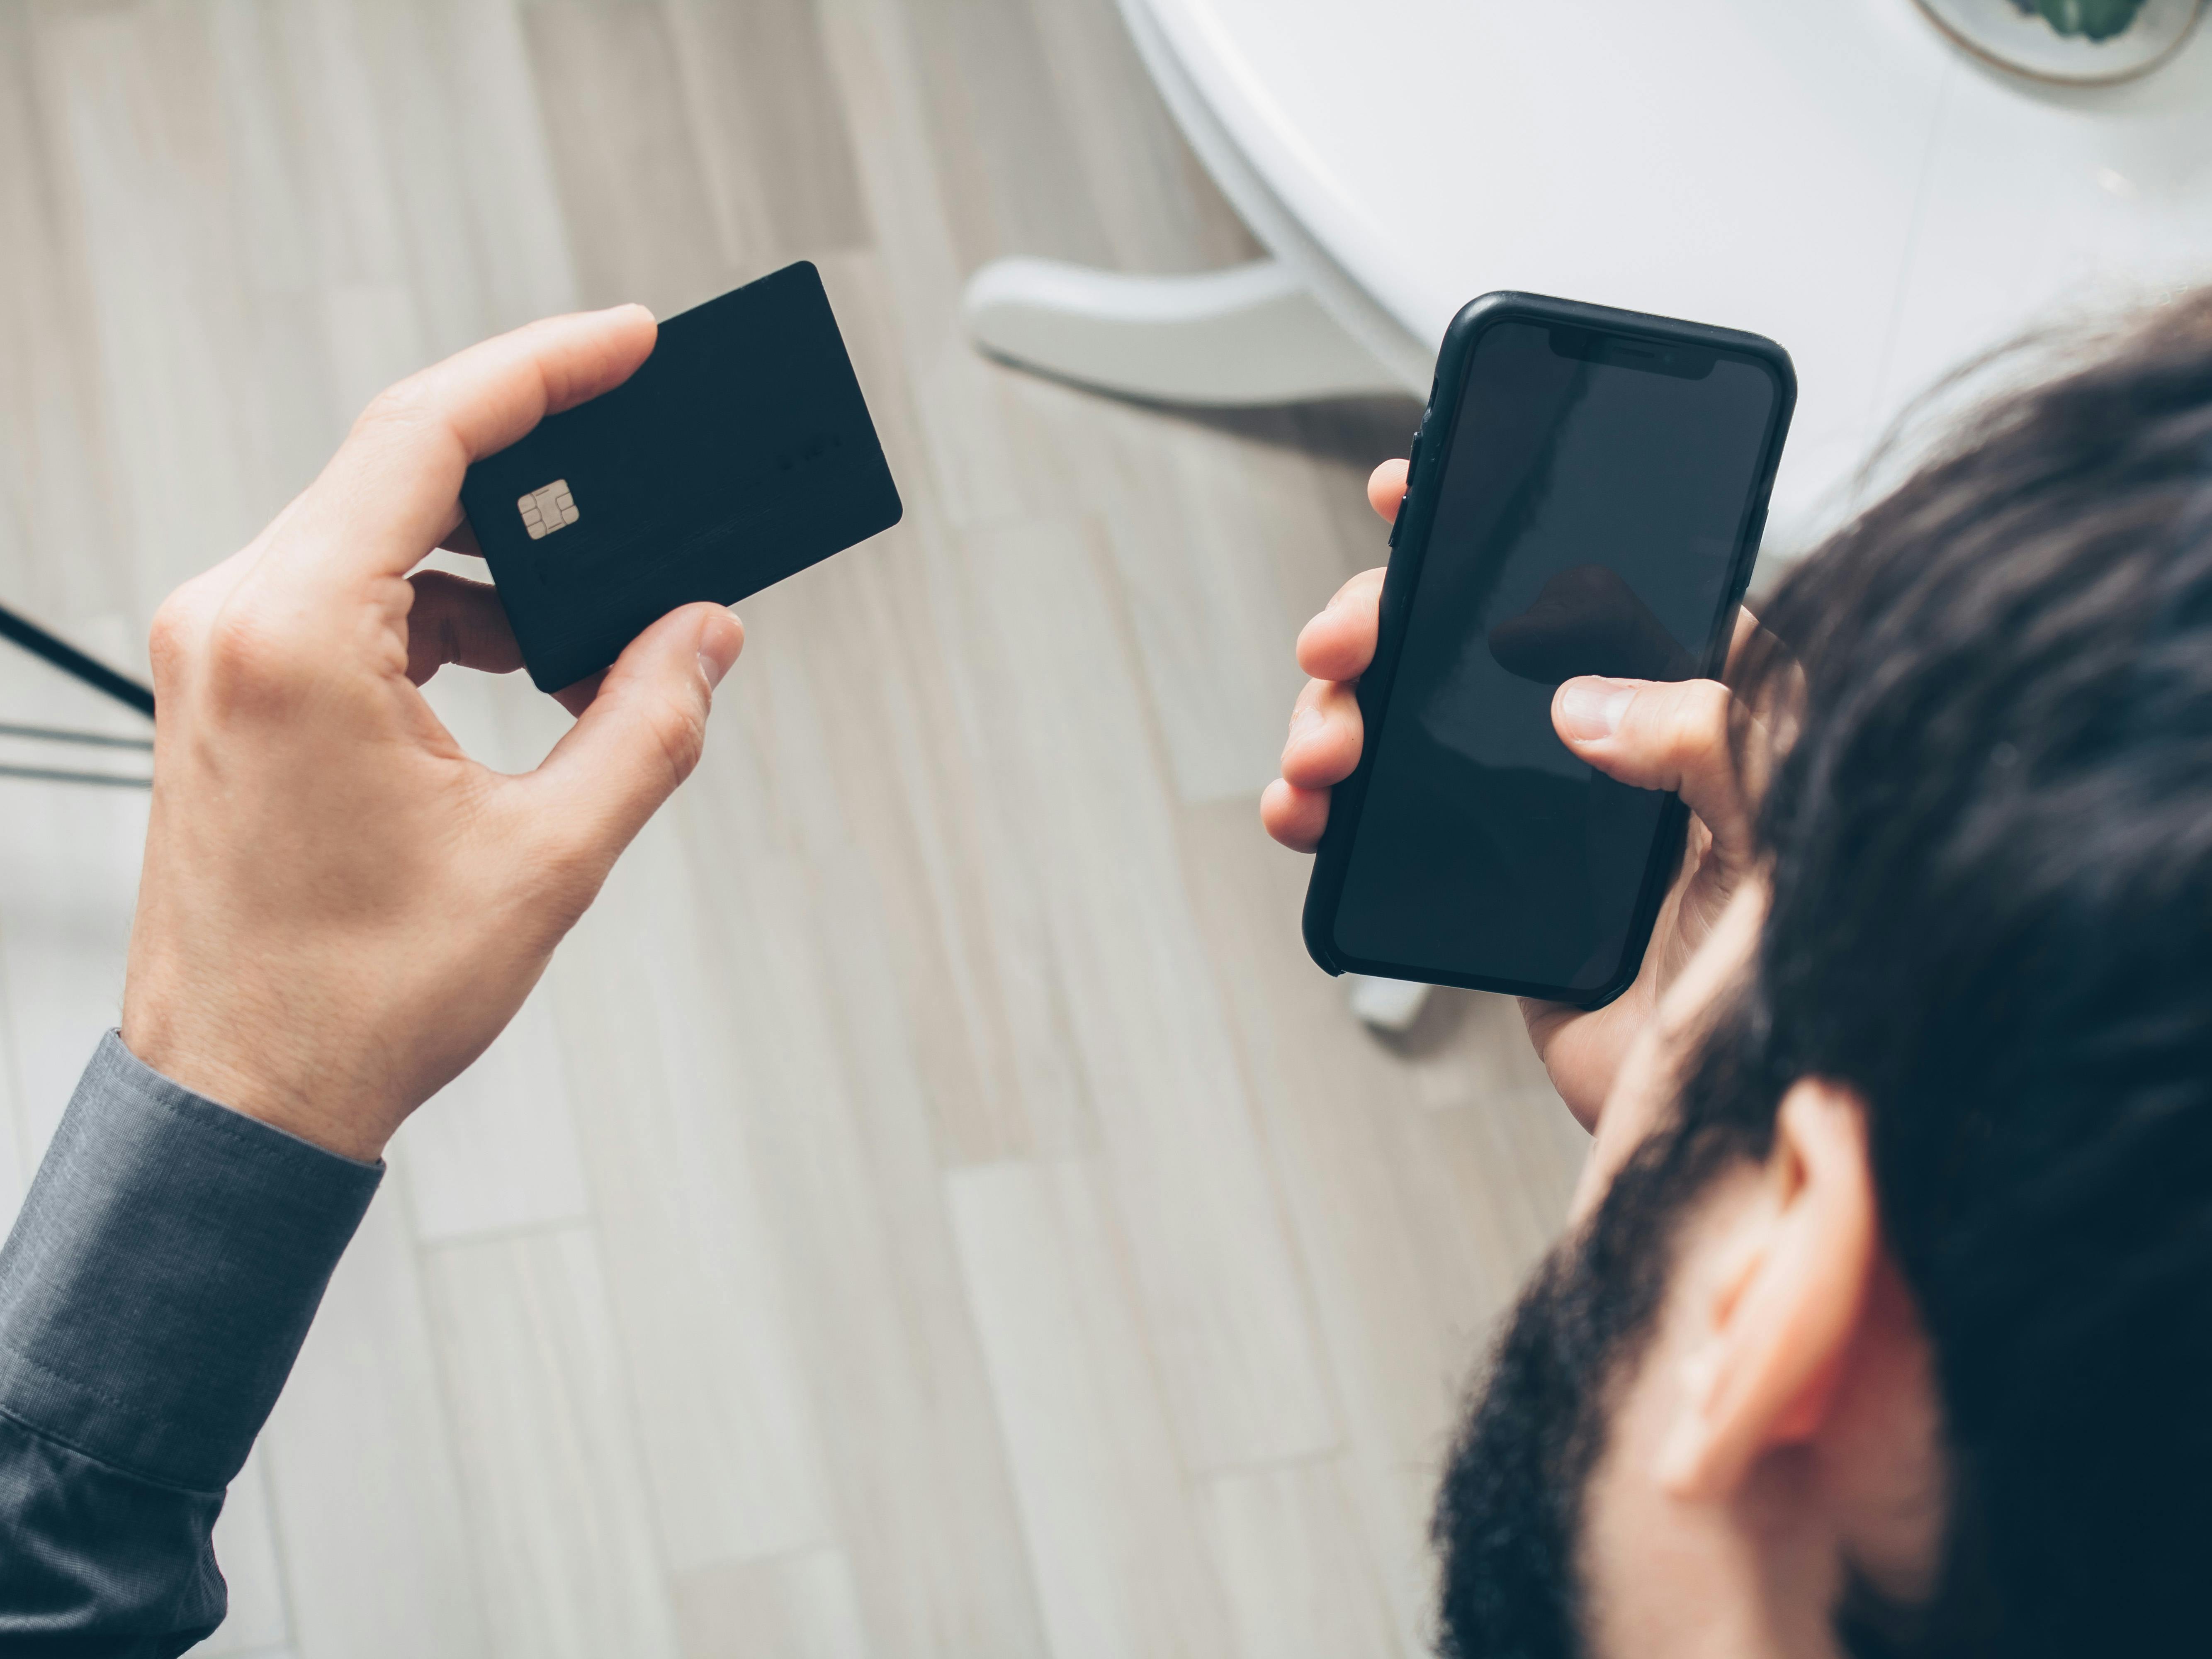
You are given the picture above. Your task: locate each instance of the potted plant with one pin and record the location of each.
(2082, 41)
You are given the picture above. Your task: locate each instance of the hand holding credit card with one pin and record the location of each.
(740, 453)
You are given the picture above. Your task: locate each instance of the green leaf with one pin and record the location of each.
(2095, 20)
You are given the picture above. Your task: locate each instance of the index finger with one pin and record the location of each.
(1386, 487)
(1339, 643)
(393, 488)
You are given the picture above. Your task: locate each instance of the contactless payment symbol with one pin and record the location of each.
(549, 509)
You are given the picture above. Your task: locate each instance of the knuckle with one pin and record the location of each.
(407, 414)
(412, 418)
(1697, 720)
(681, 733)
(249, 656)
(402, 404)
(169, 639)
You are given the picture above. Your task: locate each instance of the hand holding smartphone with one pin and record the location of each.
(1586, 499)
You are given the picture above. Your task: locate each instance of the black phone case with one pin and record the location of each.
(1409, 536)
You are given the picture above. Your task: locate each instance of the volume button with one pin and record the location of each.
(1412, 460)
(1758, 535)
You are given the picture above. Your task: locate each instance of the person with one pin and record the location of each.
(338, 911)
(1883, 1321)
(1879, 1322)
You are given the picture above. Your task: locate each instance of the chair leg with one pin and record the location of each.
(1386, 1005)
(1251, 334)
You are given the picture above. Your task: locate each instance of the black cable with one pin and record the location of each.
(73, 662)
(49, 774)
(57, 734)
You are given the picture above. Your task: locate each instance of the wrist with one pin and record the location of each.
(254, 1075)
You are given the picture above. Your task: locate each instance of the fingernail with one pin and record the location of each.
(717, 649)
(1590, 707)
(1306, 723)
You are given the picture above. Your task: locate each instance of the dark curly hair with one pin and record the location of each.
(1991, 848)
(1988, 819)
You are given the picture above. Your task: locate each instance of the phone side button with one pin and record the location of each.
(1412, 460)
(1758, 535)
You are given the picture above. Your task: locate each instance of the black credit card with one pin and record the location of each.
(740, 452)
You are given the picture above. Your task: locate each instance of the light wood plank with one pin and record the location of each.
(1422, 1175)
(625, 156)
(869, 46)
(546, 1432)
(496, 1148)
(211, 381)
(1521, 1160)
(971, 440)
(373, 336)
(732, 1449)
(379, 1554)
(769, 127)
(60, 539)
(877, 643)
(1411, 1257)
(460, 129)
(1158, 209)
(1115, 1547)
(245, 1545)
(1223, 545)
(1001, 132)
(1299, 1580)
(1225, 1297)
(821, 1068)
(797, 1607)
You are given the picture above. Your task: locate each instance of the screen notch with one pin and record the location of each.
(1591, 345)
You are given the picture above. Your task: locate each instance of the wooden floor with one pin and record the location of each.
(932, 1206)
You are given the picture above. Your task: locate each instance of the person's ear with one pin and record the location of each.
(1779, 1300)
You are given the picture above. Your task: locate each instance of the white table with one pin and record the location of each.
(1833, 173)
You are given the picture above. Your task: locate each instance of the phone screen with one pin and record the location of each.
(1587, 521)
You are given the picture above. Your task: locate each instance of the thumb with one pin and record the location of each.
(641, 734)
(1660, 734)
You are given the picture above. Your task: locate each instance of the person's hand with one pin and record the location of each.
(339, 909)
(1652, 734)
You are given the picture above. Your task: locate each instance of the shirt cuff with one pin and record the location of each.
(163, 1272)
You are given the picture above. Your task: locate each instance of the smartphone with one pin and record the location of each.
(1587, 492)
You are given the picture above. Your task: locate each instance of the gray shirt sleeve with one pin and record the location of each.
(153, 1294)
